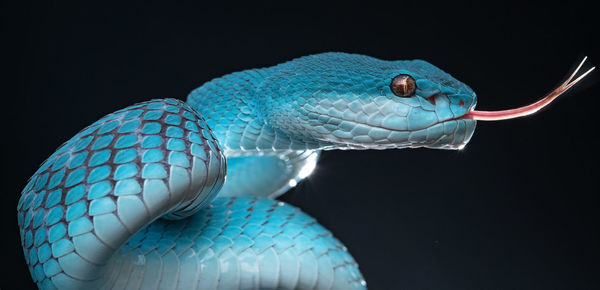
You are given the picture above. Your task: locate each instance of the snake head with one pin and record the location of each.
(349, 101)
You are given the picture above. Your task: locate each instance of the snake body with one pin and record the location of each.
(138, 200)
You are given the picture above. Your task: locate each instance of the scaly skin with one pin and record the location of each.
(88, 216)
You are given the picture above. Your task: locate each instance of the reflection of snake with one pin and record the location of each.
(80, 212)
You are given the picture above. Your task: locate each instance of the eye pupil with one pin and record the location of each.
(403, 85)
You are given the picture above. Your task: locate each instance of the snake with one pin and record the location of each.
(167, 194)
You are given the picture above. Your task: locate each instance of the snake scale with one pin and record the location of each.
(139, 199)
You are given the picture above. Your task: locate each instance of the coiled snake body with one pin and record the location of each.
(138, 199)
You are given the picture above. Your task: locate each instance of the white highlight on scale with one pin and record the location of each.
(310, 163)
(309, 167)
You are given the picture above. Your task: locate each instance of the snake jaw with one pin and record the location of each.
(403, 130)
(532, 108)
(432, 118)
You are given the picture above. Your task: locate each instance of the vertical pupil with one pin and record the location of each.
(403, 85)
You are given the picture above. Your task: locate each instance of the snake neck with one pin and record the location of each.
(232, 107)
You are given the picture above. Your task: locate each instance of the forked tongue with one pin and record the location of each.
(529, 109)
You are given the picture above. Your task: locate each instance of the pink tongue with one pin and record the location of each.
(529, 109)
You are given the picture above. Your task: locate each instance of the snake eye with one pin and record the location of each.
(403, 85)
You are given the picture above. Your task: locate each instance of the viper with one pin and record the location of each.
(168, 194)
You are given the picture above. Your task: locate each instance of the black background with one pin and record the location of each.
(516, 209)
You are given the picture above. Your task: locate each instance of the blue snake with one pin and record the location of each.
(140, 199)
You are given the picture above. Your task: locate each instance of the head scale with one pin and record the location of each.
(349, 101)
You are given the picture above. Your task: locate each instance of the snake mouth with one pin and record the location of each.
(453, 133)
(532, 108)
